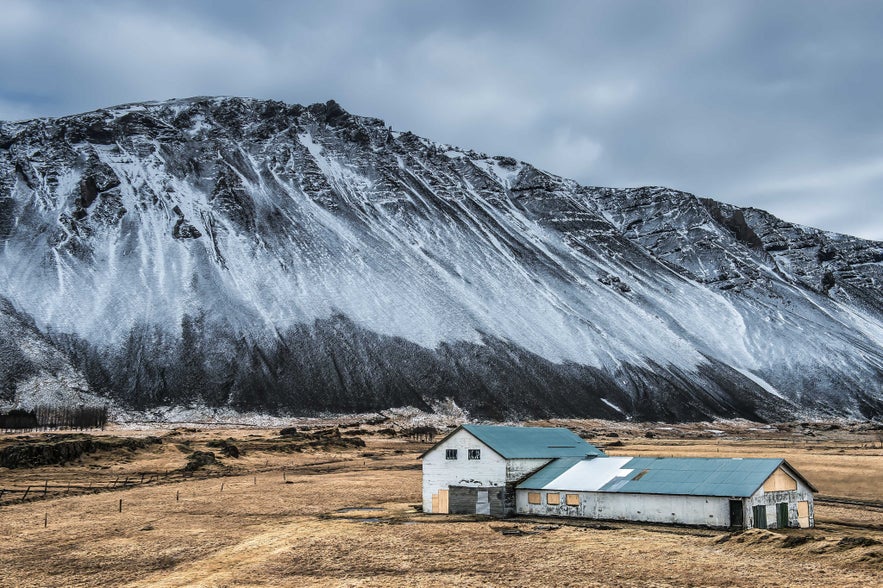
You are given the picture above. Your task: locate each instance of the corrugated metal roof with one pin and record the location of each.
(696, 476)
(693, 476)
(532, 442)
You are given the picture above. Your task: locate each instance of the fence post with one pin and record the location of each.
(121, 505)
(45, 520)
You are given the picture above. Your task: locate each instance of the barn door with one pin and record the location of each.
(782, 515)
(443, 502)
(759, 516)
(737, 515)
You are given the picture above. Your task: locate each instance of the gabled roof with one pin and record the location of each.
(528, 442)
(691, 476)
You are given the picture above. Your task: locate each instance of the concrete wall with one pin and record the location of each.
(440, 473)
(464, 500)
(654, 508)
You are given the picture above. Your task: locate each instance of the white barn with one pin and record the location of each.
(717, 492)
(475, 468)
(541, 471)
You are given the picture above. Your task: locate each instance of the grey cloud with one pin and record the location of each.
(741, 101)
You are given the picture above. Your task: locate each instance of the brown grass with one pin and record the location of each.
(262, 531)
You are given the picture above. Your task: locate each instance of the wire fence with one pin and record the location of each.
(27, 491)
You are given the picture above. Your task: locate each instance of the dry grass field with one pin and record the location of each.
(345, 516)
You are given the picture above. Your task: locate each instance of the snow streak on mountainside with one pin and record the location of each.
(278, 257)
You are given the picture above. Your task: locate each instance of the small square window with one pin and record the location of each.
(474, 454)
(450, 454)
(553, 498)
(572, 499)
(533, 497)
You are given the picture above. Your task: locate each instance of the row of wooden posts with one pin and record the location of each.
(120, 503)
(46, 487)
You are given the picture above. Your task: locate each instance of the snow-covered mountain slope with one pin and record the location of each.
(32, 370)
(278, 257)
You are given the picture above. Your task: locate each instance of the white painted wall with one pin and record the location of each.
(439, 473)
(654, 508)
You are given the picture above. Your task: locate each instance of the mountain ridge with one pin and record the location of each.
(300, 258)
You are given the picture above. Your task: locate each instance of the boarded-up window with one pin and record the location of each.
(553, 498)
(803, 514)
(779, 481)
(474, 454)
(533, 497)
(572, 499)
(450, 454)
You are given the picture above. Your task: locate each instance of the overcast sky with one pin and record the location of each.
(777, 105)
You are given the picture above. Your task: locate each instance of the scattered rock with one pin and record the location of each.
(227, 448)
(200, 459)
(853, 542)
(796, 540)
(61, 449)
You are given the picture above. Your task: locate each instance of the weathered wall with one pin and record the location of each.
(440, 473)
(518, 469)
(463, 500)
(655, 508)
(771, 499)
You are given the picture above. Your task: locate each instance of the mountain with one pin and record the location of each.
(265, 256)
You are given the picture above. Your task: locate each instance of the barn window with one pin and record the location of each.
(572, 499)
(553, 498)
(533, 497)
(450, 454)
(474, 454)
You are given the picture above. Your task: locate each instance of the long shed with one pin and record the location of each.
(715, 492)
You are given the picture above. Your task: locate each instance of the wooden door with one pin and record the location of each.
(442, 502)
(737, 516)
(759, 516)
(782, 515)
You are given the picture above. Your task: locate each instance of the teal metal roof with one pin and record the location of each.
(691, 476)
(532, 442)
(694, 476)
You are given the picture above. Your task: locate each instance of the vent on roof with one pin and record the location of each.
(640, 475)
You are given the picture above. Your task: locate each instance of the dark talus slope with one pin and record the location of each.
(280, 257)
